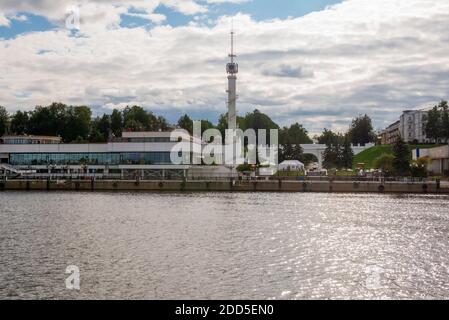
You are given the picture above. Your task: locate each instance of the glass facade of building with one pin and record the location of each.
(144, 140)
(147, 158)
(20, 140)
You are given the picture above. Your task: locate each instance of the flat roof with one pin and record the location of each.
(146, 134)
(31, 137)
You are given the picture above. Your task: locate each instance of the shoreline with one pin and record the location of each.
(225, 186)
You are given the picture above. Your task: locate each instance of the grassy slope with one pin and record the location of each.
(368, 156)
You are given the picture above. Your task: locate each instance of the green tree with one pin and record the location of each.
(330, 157)
(419, 167)
(135, 118)
(444, 120)
(385, 163)
(134, 125)
(257, 120)
(20, 123)
(434, 124)
(48, 120)
(117, 123)
(286, 152)
(223, 124)
(401, 162)
(295, 134)
(77, 122)
(347, 154)
(298, 153)
(4, 121)
(186, 123)
(153, 122)
(161, 124)
(328, 138)
(206, 125)
(101, 129)
(361, 131)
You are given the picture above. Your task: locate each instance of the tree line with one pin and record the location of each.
(75, 124)
(338, 153)
(437, 125)
(400, 164)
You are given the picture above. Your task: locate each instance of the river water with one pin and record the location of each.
(224, 245)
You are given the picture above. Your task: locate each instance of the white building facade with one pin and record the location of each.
(136, 155)
(412, 126)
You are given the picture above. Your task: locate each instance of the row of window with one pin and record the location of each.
(29, 141)
(142, 140)
(147, 158)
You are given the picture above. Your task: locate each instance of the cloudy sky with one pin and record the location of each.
(318, 62)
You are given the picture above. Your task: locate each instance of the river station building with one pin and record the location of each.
(136, 155)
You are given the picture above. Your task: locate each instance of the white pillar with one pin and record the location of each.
(320, 160)
(232, 98)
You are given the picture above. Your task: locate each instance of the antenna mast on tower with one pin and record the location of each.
(232, 69)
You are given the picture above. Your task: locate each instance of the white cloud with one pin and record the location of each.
(4, 21)
(378, 57)
(95, 13)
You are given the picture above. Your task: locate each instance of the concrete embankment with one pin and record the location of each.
(238, 186)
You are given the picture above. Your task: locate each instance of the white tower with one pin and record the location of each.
(232, 69)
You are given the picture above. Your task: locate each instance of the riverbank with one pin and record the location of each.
(227, 186)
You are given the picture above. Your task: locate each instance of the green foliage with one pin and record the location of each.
(332, 156)
(101, 129)
(245, 168)
(295, 134)
(4, 121)
(77, 123)
(136, 118)
(419, 167)
(186, 123)
(347, 156)
(49, 120)
(369, 156)
(338, 153)
(361, 131)
(328, 138)
(161, 124)
(384, 163)
(437, 125)
(206, 125)
(117, 123)
(20, 123)
(291, 138)
(257, 120)
(291, 152)
(68, 122)
(401, 162)
(223, 123)
(434, 124)
(444, 120)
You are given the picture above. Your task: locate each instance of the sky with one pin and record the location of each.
(319, 63)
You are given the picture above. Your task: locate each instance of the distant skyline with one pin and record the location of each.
(319, 63)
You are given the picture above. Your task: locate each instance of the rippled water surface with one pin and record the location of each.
(224, 245)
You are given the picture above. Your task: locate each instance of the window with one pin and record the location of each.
(144, 158)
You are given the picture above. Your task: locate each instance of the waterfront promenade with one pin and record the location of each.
(229, 186)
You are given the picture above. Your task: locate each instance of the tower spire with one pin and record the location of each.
(232, 55)
(232, 69)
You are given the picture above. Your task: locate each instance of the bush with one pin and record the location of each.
(385, 163)
(245, 168)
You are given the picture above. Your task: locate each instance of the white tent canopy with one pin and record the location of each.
(291, 165)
